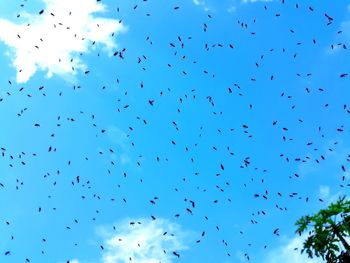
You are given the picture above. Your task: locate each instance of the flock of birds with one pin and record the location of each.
(204, 152)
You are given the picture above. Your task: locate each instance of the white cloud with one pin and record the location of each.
(120, 138)
(201, 3)
(141, 241)
(198, 2)
(327, 196)
(232, 9)
(324, 192)
(146, 241)
(53, 40)
(290, 253)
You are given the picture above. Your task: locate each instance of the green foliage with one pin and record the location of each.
(329, 229)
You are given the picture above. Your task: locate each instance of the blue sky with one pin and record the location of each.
(234, 107)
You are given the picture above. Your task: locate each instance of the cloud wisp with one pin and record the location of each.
(289, 252)
(53, 39)
(144, 241)
(202, 4)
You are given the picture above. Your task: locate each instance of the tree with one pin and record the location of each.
(329, 234)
